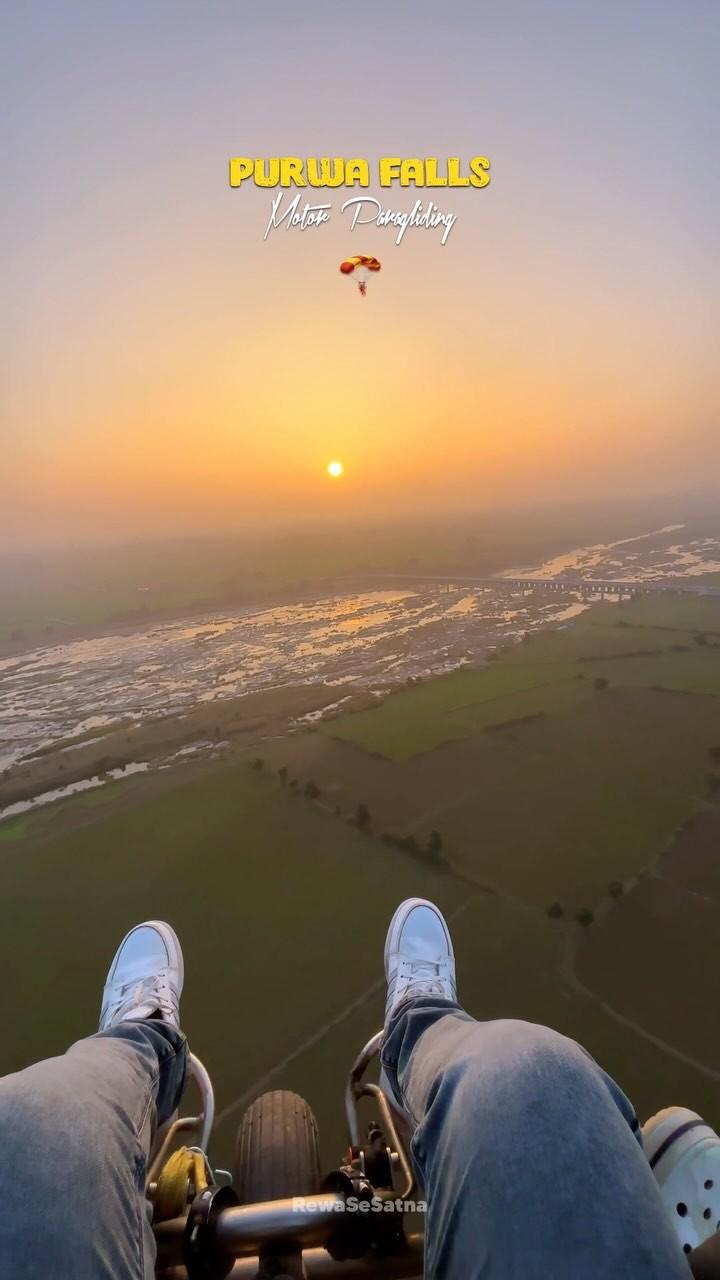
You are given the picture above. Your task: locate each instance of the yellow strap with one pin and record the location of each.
(181, 1178)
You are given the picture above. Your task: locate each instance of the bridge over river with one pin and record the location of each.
(588, 588)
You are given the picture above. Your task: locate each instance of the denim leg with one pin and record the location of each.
(75, 1134)
(529, 1154)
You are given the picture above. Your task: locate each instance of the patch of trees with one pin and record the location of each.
(431, 851)
(584, 916)
(311, 788)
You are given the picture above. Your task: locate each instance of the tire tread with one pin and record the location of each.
(277, 1152)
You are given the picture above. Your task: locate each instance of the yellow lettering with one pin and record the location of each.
(454, 177)
(412, 172)
(478, 168)
(357, 172)
(291, 168)
(240, 168)
(432, 179)
(389, 170)
(326, 172)
(272, 177)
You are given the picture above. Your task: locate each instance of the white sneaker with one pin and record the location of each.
(145, 978)
(419, 956)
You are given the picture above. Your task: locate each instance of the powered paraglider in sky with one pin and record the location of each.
(358, 269)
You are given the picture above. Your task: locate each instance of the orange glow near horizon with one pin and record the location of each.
(172, 371)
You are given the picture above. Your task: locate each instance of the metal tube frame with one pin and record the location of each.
(244, 1230)
(354, 1091)
(201, 1124)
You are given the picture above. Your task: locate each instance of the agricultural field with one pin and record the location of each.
(669, 642)
(434, 712)
(281, 910)
(656, 952)
(568, 762)
(547, 808)
(561, 775)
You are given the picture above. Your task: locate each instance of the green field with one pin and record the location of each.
(281, 910)
(544, 787)
(629, 645)
(568, 762)
(418, 719)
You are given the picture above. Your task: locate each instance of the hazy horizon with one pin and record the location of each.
(565, 521)
(171, 374)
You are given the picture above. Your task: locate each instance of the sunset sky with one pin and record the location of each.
(167, 370)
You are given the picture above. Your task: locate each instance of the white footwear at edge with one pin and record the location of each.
(684, 1154)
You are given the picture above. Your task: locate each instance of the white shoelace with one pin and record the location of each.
(423, 978)
(428, 986)
(153, 992)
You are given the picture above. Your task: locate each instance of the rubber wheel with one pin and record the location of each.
(277, 1153)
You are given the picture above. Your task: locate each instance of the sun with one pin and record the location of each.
(335, 468)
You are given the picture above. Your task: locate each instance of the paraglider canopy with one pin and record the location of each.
(358, 268)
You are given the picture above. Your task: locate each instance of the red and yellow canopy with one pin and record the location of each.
(348, 265)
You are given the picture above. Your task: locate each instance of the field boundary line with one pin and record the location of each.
(568, 971)
(258, 1086)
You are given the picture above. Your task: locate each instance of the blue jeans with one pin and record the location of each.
(529, 1155)
(75, 1134)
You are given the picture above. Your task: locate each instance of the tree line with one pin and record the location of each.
(431, 851)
